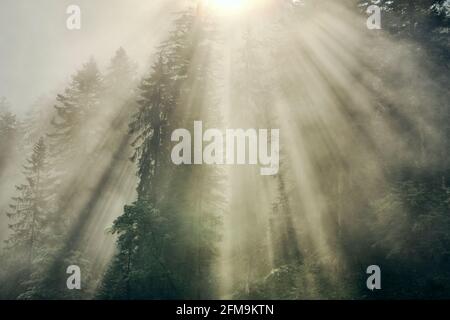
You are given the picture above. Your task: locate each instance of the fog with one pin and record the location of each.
(361, 116)
(38, 52)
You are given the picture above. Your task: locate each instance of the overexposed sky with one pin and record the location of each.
(38, 53)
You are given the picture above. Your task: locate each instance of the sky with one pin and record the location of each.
(38, 54)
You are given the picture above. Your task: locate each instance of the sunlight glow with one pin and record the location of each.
(229, 6)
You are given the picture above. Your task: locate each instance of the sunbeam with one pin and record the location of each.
(147, 175)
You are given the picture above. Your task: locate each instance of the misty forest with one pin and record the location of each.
(86, 176)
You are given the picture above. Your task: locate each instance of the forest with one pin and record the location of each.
(87, 178)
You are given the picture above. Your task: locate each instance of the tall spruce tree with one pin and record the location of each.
(74, 135)
(10, 133)
(38, 120)
(167, 238)
(30, 213)
(71, 137)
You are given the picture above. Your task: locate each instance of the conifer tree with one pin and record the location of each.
(73, 137)
(118, 97)
(10, 131)
(30, 214)
(76, 106)
(31, 206)
(37, 121)
(167, 238)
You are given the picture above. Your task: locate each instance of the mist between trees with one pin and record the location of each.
(86, 178)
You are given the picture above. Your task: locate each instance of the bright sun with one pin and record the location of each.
(229, 5)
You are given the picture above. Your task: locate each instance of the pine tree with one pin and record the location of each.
(120, 76)
(118, 97)
(10, 132)
(30, 213)
(73, 137)
(32, 204)
(166, 238)
(37, 121)
(76, 107)
(150, 126)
